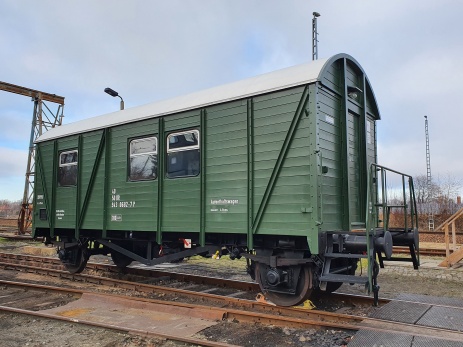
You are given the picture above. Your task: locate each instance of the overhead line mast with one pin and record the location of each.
(315, 36)
(428, 177)
(42, 119)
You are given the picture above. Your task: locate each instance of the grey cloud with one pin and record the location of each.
(151, 50)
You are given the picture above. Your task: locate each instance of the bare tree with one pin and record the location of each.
(9, 209)
(426, 195)
(450, 187)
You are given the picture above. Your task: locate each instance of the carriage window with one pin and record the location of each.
(183, 154)
(143, 159)
(67, 172)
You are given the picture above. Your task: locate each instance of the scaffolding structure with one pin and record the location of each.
(43, 118)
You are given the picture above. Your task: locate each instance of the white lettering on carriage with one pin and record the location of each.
(223, 205)
(224, 202)
(59, 214)
(117, 202)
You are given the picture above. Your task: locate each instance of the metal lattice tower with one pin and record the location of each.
(428, 176)
(315, 36)
(42, 120)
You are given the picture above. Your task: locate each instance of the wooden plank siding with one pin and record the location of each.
(226, 168)
(65, 197)
(44, 183)
(122, 214)
(273, 115)
(288, 162)
(330, 138)
(92, 211)
(181, 196)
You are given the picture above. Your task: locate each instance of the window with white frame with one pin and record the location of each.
(183, 158)
(143, 153)
(67, 171)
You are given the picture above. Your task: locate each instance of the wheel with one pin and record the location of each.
(280, 298)
(120, 260)
(74, 260)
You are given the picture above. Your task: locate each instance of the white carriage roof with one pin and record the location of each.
(277, 80)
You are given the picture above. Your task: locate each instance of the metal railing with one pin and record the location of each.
(378, 197)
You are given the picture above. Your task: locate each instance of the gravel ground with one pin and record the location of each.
(18, 330)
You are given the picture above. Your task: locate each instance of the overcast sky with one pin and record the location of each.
(150, 50)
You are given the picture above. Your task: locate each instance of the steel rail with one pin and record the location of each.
(190, 340)
(179, 276)
(157, 274)
(221, 301)
(348, 322)
(423, 251)
(288, 317)
(235, 302)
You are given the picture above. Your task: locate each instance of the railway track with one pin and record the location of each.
(288, 317)
(108, 270)
(201, 291)
(234, 288)
(423, 251)
(229, 306)
(36, 289)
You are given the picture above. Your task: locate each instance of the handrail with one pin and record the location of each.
(449, 220)
(375, 202)
(409, 202)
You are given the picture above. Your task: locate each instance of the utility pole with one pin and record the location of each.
(315, 36)
(428, 177)
(42, 120)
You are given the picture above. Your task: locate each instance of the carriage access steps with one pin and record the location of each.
(375, 236)
(340, 267)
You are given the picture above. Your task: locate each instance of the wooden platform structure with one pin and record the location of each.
(457, 255)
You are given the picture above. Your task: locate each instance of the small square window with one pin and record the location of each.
(43, 214)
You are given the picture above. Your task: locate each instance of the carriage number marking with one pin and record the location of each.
(116, 201)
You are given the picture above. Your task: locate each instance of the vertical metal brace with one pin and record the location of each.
(161, 161)
(250, 150)
(52, 214)
(202, 158)
(106, 182)
(78, 186)
(369, 224)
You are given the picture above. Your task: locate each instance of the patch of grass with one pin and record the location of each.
(224, 261)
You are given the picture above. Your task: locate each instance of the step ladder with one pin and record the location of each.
(334, 270)
(377, 206)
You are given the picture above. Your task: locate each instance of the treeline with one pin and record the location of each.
(437, 201)
(9, 209)
(440, 197)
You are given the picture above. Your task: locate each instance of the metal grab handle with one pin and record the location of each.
(319, 188)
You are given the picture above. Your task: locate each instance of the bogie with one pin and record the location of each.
(74, 258)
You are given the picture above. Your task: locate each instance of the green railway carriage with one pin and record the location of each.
(280, 168)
